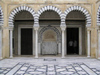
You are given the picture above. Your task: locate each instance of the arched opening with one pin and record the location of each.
(49, 18)
(49, 32)
(23, 33)
(76, 33)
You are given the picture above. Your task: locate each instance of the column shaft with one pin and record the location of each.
(63, 52)
(88, 43)
(98, 44)
(36, 42)
(0, 43)
(11, 44)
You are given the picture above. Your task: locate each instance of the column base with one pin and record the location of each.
(1, 58)
(88, 56)
(98, 57)
(36, 57)
(63, 57)
(11, 57)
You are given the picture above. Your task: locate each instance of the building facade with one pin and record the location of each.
(49, 27)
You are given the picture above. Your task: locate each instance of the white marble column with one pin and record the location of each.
(33, 42)
(39, 47)
(98, 44)
(59, 48)
(36, 41)
(88, 43)
(0, 42)
(63, 27)
(11, 42)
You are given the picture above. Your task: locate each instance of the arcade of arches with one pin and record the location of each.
(56, 29)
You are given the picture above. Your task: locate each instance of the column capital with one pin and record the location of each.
(63, 27)
(88, 25)
(36, 27)
(11, 27)
(99, 58)
(99, 30)
(98, 27)
(1, 27)
(88, 29)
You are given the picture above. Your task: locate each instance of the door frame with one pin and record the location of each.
(19, 37)
(80, 37)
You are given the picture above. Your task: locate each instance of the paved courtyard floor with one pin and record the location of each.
(50, 66)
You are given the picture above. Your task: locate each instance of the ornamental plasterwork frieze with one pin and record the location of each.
(46, 0)
(51, 28)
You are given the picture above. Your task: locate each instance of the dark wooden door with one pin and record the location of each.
(26, 41)
(72, 40)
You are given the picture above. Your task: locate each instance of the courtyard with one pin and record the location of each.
(70, 65)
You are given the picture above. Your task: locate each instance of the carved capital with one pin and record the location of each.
(98, 27)
(11, 27)
(88, 29)
(99, 31)
(88, 25)
(36, 27)
(98, 24)
(1, 27)
(63, 27)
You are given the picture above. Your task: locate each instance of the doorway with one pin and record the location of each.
(26, 41)
(73, 41)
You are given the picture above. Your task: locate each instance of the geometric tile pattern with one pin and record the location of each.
(68, 69)
(96, 71)
(4, 71)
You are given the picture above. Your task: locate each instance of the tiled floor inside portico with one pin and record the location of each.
(50, 66)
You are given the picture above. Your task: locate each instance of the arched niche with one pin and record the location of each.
(49, 35)
(50, 40)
